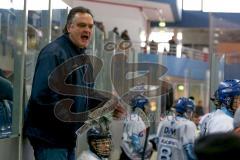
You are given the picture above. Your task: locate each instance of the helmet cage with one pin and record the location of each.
(101, 147)
(99, 142)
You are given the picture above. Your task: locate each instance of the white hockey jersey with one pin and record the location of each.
(134, 128)
(215, 122)
(175, 134)
(88, 155)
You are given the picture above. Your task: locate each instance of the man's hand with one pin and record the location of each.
(120, 112)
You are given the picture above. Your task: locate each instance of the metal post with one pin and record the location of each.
(19, 78)
(212, 61)
(49, 32)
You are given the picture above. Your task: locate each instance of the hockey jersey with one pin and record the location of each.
(88, 155)
(217, 121)
(176, 137)
(134, 134)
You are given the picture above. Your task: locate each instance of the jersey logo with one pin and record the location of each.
(169, 131)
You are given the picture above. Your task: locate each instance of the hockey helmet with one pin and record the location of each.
(139, 101)
(226, 92)
(99, 142)
(184, 105)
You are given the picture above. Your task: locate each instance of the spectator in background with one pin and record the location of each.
(217, 146)
(7, 75)
(6, 103)
(144, 49)
(198, 111)
(153, 47)
(236, 122)
(115, 30)
(197, 115)
(101, 27)
(172, 46)
(2, 73)
(6, 87)
(125, 35)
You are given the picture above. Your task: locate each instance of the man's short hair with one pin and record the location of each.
(199, 111)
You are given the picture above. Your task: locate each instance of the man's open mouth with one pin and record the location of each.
(85, 37)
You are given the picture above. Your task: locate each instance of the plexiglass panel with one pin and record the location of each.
(59, 17)
(37, 37)
(11, 53)
(225, 42)
(132, 66)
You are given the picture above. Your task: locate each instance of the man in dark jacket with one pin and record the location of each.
(51, 134)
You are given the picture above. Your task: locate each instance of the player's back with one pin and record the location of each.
(173, 135)
(216, 122)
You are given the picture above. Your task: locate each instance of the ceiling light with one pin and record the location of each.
(180, 87)
(162, 24)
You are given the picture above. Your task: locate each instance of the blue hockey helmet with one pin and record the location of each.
(99, 142)
(184, 105)
(139, 101)
(226, 92)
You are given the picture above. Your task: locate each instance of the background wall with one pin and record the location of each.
(117, 15)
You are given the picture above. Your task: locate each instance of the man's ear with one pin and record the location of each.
(68, 26)
(237, 131)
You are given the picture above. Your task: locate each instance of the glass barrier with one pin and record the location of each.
(36, 38)
(97, 49)
(59, 17)
(128, 67)
(161, 77)
(11, 53)
(224, 40)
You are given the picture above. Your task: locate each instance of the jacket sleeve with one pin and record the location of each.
(41, 93)
(40, 109)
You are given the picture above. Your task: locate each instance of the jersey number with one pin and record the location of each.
(165, 153)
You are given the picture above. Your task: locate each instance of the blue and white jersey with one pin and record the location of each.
(176, 138)
(134, 134)
(214, 122)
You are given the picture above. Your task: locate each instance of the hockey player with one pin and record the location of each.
(227, 100)
(134, 133)
(177, 134)
(99, 143)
